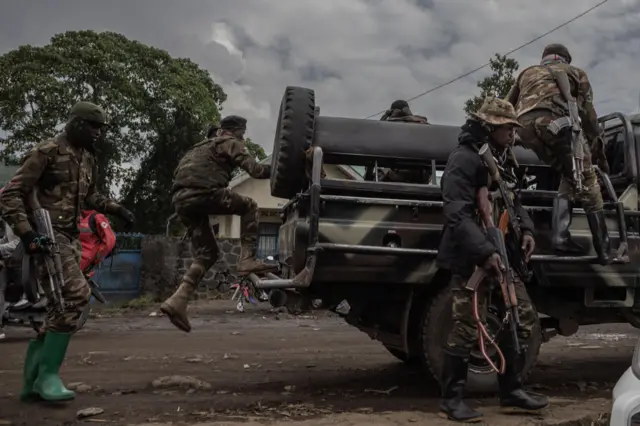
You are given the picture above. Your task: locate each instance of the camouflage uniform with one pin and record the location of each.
(200, 190)
(63, 171)
(538, 102)
(400, 112)
(464, 246)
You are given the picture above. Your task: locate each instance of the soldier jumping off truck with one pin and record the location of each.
(200, 190)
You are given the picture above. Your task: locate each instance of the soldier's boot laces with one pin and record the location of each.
(601, 241)
(560, 223)
(175, 307)
(454, 377)
(249, 264)
(513, 398)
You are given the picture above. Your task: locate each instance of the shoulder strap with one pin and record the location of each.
(92, 223)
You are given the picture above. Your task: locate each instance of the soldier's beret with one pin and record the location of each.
(88, 111)
(233, 122)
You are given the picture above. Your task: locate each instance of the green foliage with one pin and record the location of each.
(497, 84)
(158, 107)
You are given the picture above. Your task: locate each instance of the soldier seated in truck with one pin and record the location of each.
(399, 112)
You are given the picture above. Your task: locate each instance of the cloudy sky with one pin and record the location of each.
(358, 55)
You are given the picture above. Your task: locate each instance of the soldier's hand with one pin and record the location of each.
(494, 265)
(528, 245)
(34, 242)
(125, 215)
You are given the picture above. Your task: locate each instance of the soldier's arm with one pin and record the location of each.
(514, 94)
(462, 176)
(526, 224)
(12, 207)
(97, 201)
(240, 157)
(587, 111)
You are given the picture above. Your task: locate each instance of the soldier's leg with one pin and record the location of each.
(61, 323)
(205, 251)
(513, 398)
(247, 209)
(461, 339)
(556, 152)
(593, 205)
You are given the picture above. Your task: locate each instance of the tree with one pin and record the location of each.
(256, 150)
(158, 107)
(497, 84)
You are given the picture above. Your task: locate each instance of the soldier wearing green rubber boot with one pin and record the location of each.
(63, 173)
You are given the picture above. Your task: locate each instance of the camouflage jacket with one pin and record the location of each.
(210, 163)
(535, 89)
(65, 179)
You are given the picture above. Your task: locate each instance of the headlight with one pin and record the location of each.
(635, 363)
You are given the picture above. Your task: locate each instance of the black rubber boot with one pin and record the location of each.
(454, 377)
(513, 398)
(601, 242)
(560, 222)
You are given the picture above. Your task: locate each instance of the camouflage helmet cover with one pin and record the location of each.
(497, 112)
(88, 111)
(557, 49)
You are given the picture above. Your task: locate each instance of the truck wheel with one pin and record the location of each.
(436, 325)
(406, 358)
(294, 135)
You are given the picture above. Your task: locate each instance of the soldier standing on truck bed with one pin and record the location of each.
(464, 246)
(400, 112)
(538, 101)
(200, 190)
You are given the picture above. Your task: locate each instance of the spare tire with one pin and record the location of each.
(294, 135)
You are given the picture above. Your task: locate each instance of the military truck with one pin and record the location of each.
(373, 243)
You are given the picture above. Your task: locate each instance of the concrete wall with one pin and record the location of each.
(165, 260)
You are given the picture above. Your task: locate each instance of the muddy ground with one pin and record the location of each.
(257, 368)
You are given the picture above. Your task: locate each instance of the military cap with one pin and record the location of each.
(400, 104)
(88, 111)
(557, 49)
(497, 112)
(232, 122)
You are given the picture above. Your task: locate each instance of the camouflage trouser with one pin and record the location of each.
(75, 292)
(464, 334)
(556, 152)
(194, 214)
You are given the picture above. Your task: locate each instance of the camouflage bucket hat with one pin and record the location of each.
(497, 112)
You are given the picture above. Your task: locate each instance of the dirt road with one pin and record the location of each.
(255, 368)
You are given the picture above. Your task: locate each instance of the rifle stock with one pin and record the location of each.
(51, 258)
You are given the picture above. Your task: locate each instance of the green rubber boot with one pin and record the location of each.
(48, 384)
(30, 371)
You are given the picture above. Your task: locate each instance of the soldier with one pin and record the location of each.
(538, 102)
(63, 170)
(401, 113)
(465, 246)
(200, 190)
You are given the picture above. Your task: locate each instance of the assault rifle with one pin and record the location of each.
(495, 234)
(573, 123)
(51, 256)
